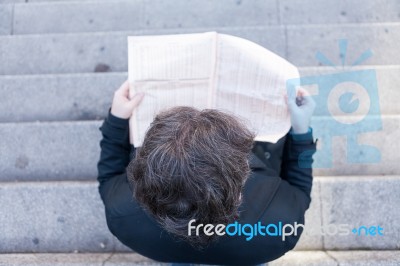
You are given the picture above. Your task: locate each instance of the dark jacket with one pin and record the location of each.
(272, 194)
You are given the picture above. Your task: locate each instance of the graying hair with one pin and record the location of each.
(192, 165)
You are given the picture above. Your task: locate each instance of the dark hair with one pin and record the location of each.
(192, 165)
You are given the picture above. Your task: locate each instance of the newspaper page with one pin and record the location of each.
(209, 70)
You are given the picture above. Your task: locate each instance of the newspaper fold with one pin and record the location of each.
(209, 70)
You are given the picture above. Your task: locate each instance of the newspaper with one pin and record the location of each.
(209, 70)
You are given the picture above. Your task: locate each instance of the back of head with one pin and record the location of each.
(192, 165)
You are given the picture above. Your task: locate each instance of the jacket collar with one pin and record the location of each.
(256, 162)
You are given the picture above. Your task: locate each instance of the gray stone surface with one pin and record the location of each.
(74, 259)
(338, 11)
(387, 79)
(36, 1)
(70, 150)
(88, 96)
(124, 15)
(69, 216)
(366, 258)
(81, 53)
(6, 19)
(53, 217)
(29, 159)
(200, 13)
(48, 259)
(304, 258)
(11, 1)
(70, 16)
(303, 41)
(311, 239)
(385, 141)
(62, 53)
(48, 151)
(58, 97)
(127, 259)
(370, 201)
(301, 258)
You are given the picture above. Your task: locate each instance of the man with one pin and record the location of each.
(203, 167)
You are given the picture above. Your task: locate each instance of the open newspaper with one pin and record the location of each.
(209, 70)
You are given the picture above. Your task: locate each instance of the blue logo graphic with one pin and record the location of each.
(347, 105)
(368, 231)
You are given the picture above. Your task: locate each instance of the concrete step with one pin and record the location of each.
(69, 216)
(88, 96)
(39, 1)
(293, 258)
(124, 15)
(104, 51)
(6, 22)
(70, 150)
(303, 42)
(336, 258)
(330, 11)
(58, 97)
(49, 151)
(121, 15)
(62, 227)
(83, 52)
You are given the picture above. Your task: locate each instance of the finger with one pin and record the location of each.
(305, 97)
(302, 92)
(124, 89)
(136, 100)
(291, 98)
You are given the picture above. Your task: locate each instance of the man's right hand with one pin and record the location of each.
(122, 106)
(301, 107)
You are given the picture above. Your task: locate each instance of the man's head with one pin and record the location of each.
(192, 165)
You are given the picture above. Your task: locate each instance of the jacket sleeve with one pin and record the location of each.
(297, 161)
(115, 148)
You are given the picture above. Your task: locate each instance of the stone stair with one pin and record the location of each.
(60, 62)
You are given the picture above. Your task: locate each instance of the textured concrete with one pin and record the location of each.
(11, 1)
(366, 258)
(127, 15)
(338, 11)
(200, 13)
(304, 41)
(53, 217)
(6, 19)
(88, 96)
(69, 216)
(44, 151)
(70, 150)
(77, 53)
(77, 16)
(58, 97)
(63, 53)
(82, 53)
(311, 239)
(387, 79)
(300, 258)
(374, 201)
(74, 259)
(385, 140)
(35, 1)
